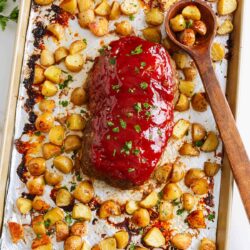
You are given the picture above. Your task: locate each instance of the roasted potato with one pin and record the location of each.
(85, 5)
(85, 18)
(188, 149)
(99, 27)
(225, 28)
(191, 12)
(115, 11)
(217, 52)
(162, 173)
(54, 215)
(182, 104)
(187, 37)
(108, 244)
(43, 242)
(24, 205)
(44, 122)
(211, 143)
(49, 150)
(43, 2)
(180, 128)
(154, 16)
(109, 208)
(154, 238)
(152, 34)
(199, 102)
(211, 168)
(178, 23)
(47, 58)
(77, 46)
(85, 246)
(52, 178)
(38, 74)
(186, 87)
(78, 96)
(63, 163)
(63, 198)
(36, 185)
(171, 192)
(53, 74)
(169, 45)
(38, 225)
(103, 9)
(193, 174)
(190, 73)
(39, 204)
(72, 142)
(75, 122)
(56, 30)
(196, 219)
(199, 27)
(49, 89)
(207, 244)
(123, 28)
(78, 228)
(47, 105)
(122, 239)
(165, 211)
(178, 172)
(74, 62)
(188, 201)
(73, 243)
(60, 54)
(226, 7)
(62, 231)
(181, 241)
(84, 192)
(81, 211)
(150, 200)
(198, 132)
(16, 231)
(131, 206)
(130, 7)
(69, 6)
(180, 59)
(56, 135)
(199, 186)
(36, 166)
(141, 217)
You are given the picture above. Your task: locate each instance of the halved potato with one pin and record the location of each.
(40, 205)
(171, 192)
(207, 244)
(42, 242)
(79, 228)
(211, 143)
(38, 225)
(162, 173)
(36, 185)
(225, 28)
(180, 128)
(84, 192)
(73, 242)
(52, 178)
(181, 241)
(181, 60)
(81, 211)
(115, 11)
(188, 201)
(63, 198)
(49, 89)
(182, 104)
(178, 172)
(141, 217)
(103, 9)
(78, 96)
(178, 23)
(154, 238)
(122, 239)
(54, 215)
(199, 27)
(189, 149)
(47, 58)
(123, 28)
(53, 73)
(130, 7)
(100, 26)
(150, 200)
(77, 46)
(50, 150)
(43, 2)
(36, 166)
(108, 244)
(109, 208)
(38, 74)
(24, 205)
(72, 142)
(211, 168)
(69, 6)
(190, 73)
(56, 30)
(131, 206)
(193, 174)
(154, 16)
(47, 105)
(56, 135)
(199, 102)
(152, 34)
(75, 122)
(63, 163)
(44, 122)
(85, 18)
(196, 219)
(198, 132)
(200, 186)
(62, 231)
(217, 52)
(187, 37)
(85, 5)
(191, 12)
(226, 7)
(74, 62)
(60, 54)
(186, 87)
(165, 211)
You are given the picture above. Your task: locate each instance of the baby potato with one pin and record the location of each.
(150, 200)
(52, 178)
(130, 7)
(72, 143)
(180, 128)
(169, 45)
(196, 219)
(181, 241)
(182, 103)
(73, 243)
(36, 185)
(75, 122)
(99, 27)
(190, 73)
(217, 52)
(60, 54)
(40, 205)
(56, 30)
(77, 46)
(199, 102)
(152, 34)
(81, 211)
(62, 231)
(78, 96)
(78, 228)
(141, 217)
(56, 135)
(63, 163)
(85, 18)
(211, 168)
(85, 246)
(74, 62)
(43, 2)
(178, 23)
(186, 87)
(109, 208)
(44, 122)
(199, 186)
(47, 105)
(69, 6)
(226, 7)
(199, 27)
(122, 239)
(191, 12)
(38, 225)
(193, 174)
(162, 173)
(188, 149)
(211, 143)
(124, 28)
(154, 238)
(178, 172)
(53, 74)
(107, 244)
(103, 9)
(43, 242)
(47, 58)
(154, 16)
(165, 211)
(131, 206)
(187, 37)
(171, 192)
(198, 132)
(23, 205)
(84, 192)
(53, 215)
(207, 244)
(63, 198)
(49, 150)
(188, 201)
(115, 11)
(37, 166)
(49, 89)
(225, 28)
(180, 59)
(38, 74)
(85, 5)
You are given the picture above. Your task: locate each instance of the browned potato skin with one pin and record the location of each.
(196, 219)
(99, 27)
(207, 244)
(124, 28)
(198, 132)
(199, 102)
(190, 73)
(52, 178)
(152, 34)
(181, 241)
(211, 143)
(189, 149)
(199, 27)
(49, 150)
(60, 54)
(85, 18)
(188, 201)
(109, 208)
(36, 166)
(182, 104)
(200, 186)
(122, 239)
(40, 205)
(115, 11)
(193, 174)
(171, 192)
(72, 142)
(36, 185)
(78, 229)
(43, 2)
(73, 243)
(62, 231)
(141, 217)
(78, 96)
(178, 172)
(38, 225)
(187, 37)
(211, 169)
(47, 105)
(44, 122)
(84, 192)
(162, 173)
(38, 74)
(42, 242)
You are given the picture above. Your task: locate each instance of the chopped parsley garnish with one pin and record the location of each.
(176, 202)
(123, 124)
(132, 246)
(131, 170)
(131, 18)
(39, 236)
(114, 152)
(68, 219)
(180, 211)
(143, 64)
(73, 187)
(37, 133)
(116, 130)
(110, 124)
(143, 85)
(138, 107)
(159, 132)
(112, 60)
(146, 105)
(127, 147)
(64, 103)
(148, 114)
(78, 177)
(116, 87)
(211, 217)
(102, 50)
(189, 23)
(47, 223)
(137, 128)
(199, 143)
(85, 41)
(66, 82)
(138, 50)
(160, 194)
(136, 151)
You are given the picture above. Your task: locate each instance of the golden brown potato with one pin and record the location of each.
(63, 163)
(75, 122)
(193, 174)
(199, 102)
(180, 59)
(73, 243)
(187, 37)
(78, 228)
(54, 215)
(38, 74)
(169, 45)
(56, 135)
(207, 244)
(150, 200)
(154, 16)
(109, 208)
(62, 231)
(37, 166)
(199, 27)
(103, 9)
(44, 122)
(47, 58)
(191, 12)
(108, 244)
(85, 5)
(226, 7)
(43, 242)
(74, 62)
(225, 28)
(211, 168)
(77, 46)
(39, 204)
(217, 52)
(186, 87)
(69, 6)
(84, 192)
(122, 239)
(16, 231)
(165, 211)
(100, 26)
(196, 219)
(130, 7)
(154, 238)
(211, 143)
(43, 2)
(182, 104)
(63, 198)
(52, 178)
(81, 211)
(123, 28)
(115, 11)
(78, 96)
(188, 149)
(200, 186)
(178, 23)
(152, 34)
(180, 128)
(171, 192)
(181, 241)
(190, 73)
(53, 74)
(162, 173)
(178, 172)
(60, 54)
(131, 206)
(38, 225)
(49, 89)
(198, 132)
(188, 201)
(141, 217)
(24, 205)
(47, 105)
(36, 185)
(56, 30)
(49, 150)
(85, 18)
(72, 143)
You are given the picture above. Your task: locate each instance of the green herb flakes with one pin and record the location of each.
(137, 128)
(143, 64)
(47, 223)
(127, 147)
(110, 124)
(146, 105)
(180, 211)
(66, 82)
(198, 143)
(68, 219)
(211, 217)
(64, 103)
(131, 18)
(112, 60)
(116, 130)
(123, 124)
(116, 87)
(143, 85)
(136, 151)
(138, 107)
(138, 50)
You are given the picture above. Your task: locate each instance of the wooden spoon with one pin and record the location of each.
(233, 144)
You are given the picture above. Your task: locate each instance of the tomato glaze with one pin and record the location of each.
(131, 101)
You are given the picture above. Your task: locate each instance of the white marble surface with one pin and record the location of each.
(240, 229)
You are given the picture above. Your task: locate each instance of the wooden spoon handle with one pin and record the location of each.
(233, 144)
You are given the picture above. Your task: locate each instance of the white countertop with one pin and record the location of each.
(240, 228)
